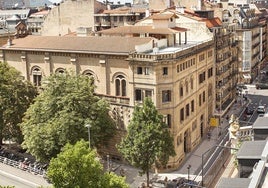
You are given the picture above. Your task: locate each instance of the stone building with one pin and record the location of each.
(226, 68)
(251, 31)
(146, 62)
(122, 16)
(35, 21)
(70, 15)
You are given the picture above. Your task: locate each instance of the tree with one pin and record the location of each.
(77, 166)
(16, 95)
(148, 141)
(60, 113)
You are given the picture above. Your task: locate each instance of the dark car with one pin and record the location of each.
(261, 86)
(249, 111)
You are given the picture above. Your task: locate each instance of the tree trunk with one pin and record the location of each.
(148, 178)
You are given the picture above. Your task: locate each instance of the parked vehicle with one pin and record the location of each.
(249, 110)
(261, 109)
(262, 86)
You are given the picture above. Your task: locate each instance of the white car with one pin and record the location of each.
(261, 109)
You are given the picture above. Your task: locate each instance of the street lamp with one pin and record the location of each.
(189, 167)
(202, 170)
(88, 128)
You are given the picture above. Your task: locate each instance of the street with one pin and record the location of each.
(256, 98)
(20, 179)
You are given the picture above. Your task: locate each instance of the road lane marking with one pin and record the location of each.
(20, 179)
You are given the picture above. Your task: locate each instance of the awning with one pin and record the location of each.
(247, 76)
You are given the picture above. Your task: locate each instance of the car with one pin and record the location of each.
(249, 110)
(261, 109)
(241, 87)
(261, 86)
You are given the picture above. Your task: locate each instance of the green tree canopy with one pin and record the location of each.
(60, 113)
(77, 167)
(148, 141)
(16, 95)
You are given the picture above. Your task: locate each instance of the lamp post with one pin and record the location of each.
(189, 167)
(88, 128)
(202, 170)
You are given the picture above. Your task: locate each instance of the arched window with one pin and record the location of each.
(120, 86)
(181, 90)
(192, 83)
(187, 86)
(90, 75)
(37, 76)
(60, 70)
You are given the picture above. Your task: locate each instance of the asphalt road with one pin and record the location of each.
(19, 178)
(256, 97)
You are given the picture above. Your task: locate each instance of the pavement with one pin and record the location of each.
(194, 158)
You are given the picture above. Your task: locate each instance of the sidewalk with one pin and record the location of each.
(193, 158)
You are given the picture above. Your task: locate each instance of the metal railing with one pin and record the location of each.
(34, 168)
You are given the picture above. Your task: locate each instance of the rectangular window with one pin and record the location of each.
(194, 125)
(192, 106)
(166, 96)
(148, 93)
(210, 72)
(115, 18)
(202, 77)
(146, 70)
(187, 110)
(200, 100)
(181, 91)
(204, 96)
(201, 57)
(138, 95)
(182, 114)
(165, 71)
(210, 53)
(167, 120)
(37, 80)
(139, 70)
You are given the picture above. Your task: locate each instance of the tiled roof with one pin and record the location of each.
(163, 16)
(124, 10)
(216, 22)
(43, 12)
(142, 29)
(78, 44)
